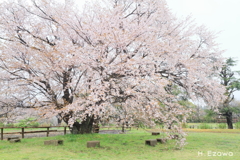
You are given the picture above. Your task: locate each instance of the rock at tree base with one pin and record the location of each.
(151, 142)
(155, 133)
(162, 140)
(93, 144)
(14, 140)
(53, 142)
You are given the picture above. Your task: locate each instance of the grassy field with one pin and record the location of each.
(201, 145)
(211, 125)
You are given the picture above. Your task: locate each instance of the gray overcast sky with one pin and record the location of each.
(217, 15)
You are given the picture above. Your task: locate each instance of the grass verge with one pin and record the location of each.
(201, 145)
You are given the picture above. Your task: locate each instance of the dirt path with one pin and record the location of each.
(110, 131)
(52, 134)
(31, 135)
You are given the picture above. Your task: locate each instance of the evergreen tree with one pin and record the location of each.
(232, 83)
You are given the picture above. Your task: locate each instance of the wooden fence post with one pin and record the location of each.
(123, 128)
(22, 132)
(65, 130)
(1, 133)
(47, 131)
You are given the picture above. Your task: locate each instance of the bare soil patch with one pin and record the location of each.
(52, 134)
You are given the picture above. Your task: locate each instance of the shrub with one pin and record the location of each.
(222, 126)
(184, 125)
(20, 125)
(205, 126)
(9, 125)
(34, 124)
(45, 124)
(28, 122)
(237, 125)
(142, 125)
(1, 124)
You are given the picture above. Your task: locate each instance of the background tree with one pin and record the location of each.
(236, 105)
(210, 116)
(232, 83)
(83, 65)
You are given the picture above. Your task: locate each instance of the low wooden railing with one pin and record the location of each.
(117, 127)
(39, 131)
(23, 131)
(124, 127)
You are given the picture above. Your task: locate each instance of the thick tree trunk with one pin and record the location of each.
(83, 127)
(229, 120)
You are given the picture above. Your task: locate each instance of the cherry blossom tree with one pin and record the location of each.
(116, 59)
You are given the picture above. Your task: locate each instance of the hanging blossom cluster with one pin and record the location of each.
(116, 59)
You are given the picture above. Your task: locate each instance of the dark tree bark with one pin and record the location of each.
(229, 118)
(67, 98)
(85, 126)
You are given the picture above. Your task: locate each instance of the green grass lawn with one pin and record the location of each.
(131, 146)
(209, 125)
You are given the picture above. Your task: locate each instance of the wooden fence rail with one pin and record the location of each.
(23, 130)
(123, 127)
